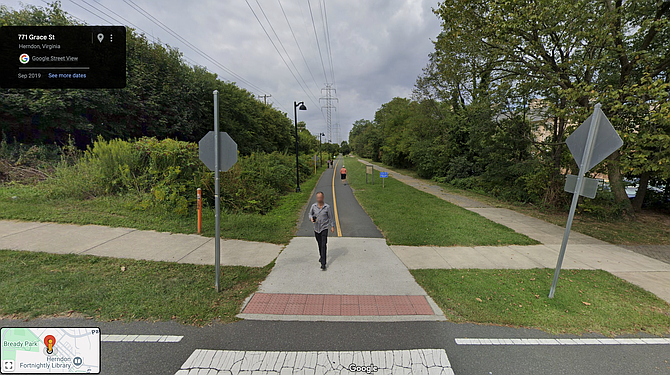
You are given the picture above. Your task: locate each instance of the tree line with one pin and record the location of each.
(164, 98)
(510, 80)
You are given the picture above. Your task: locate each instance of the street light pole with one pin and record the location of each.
(320, 162)
(302, 107)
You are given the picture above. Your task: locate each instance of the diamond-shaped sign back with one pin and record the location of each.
(607, 141)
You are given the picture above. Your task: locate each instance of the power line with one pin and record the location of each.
(317, 40)
(184, 57)
(277, 49)
(298, 44)
(334, 129)
(106, 20)
(171, 32)
(156, 21)
(118, 15)
(70, 15)
(281, 106)
(330, 51)
(282, 46)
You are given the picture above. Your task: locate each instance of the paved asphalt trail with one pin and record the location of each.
(353, 220)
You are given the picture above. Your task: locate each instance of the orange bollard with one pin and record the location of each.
(199, 210)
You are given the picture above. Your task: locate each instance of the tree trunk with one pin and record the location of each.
(616, 182)
(641, 192)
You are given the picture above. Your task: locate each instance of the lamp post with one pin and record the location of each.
(320, 156)
(297, 106)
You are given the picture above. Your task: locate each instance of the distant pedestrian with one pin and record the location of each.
(343, 174)
(321, 215)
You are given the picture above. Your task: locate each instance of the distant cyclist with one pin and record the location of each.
(343, 174)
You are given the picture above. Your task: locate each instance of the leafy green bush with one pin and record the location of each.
(255, 183)
(602, 207)
(81, 180)
(111, 160)
(431, 159)
(474, 183)
(165, 174)
(460, 167)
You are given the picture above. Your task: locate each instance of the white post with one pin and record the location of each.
(586, 160)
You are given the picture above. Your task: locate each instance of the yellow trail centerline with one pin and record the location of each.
(337, 219)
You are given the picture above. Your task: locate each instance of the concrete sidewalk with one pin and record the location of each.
(583, 252)
(648, 273)
(356, 267)
(131, 243)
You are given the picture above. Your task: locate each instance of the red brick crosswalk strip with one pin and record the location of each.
(337, 305)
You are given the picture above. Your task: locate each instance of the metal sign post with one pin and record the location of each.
(219, 153)
(217, 208)
(383, 176)
(600, 142)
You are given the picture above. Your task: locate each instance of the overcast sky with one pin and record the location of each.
(378, 46)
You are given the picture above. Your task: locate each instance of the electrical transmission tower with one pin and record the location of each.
(338, 139)
(328, 99)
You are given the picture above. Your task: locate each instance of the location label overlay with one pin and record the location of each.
(84, 57)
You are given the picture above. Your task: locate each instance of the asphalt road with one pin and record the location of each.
(166, 358)
(353, 220)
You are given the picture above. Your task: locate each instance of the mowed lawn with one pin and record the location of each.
(40, 284)
(408, 216)
(649, 227)
(29, 203)
(585, 300)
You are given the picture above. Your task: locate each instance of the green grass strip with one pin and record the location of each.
(408, 216)
(42, 284)
(585, 300)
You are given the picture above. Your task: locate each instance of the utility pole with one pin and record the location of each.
(265, 98)
(328, 99)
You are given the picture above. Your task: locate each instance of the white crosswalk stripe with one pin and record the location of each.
(415, 361)
(140, 338)
(576, 341)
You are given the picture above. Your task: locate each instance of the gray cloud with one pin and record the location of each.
(378, 46)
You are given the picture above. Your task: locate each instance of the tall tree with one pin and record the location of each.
(570, 53)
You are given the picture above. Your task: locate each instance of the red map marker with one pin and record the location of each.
(50, 341)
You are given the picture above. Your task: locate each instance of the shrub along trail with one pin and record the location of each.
(151, 185)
